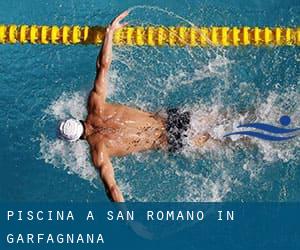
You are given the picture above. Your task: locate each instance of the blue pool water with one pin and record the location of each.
(42, 84)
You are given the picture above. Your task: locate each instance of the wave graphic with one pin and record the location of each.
(284, 121)
(262, 136)
(269, 128)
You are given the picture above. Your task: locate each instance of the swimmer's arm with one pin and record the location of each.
(105, 56)
(102, 65)
(103, 164)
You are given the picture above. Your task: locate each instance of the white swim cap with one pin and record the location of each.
(70, 130)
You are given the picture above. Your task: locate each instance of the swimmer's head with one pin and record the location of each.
(70, 130)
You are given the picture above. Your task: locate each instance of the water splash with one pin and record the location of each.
(212, 84)
(192, 185)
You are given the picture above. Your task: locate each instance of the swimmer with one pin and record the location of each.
(114, 130)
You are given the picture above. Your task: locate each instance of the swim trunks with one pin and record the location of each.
(177, 125)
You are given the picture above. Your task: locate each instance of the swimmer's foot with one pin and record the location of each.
(200, 140)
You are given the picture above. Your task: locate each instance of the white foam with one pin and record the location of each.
(214, 118)
(72, 157)
(216, 121)
(68, 105)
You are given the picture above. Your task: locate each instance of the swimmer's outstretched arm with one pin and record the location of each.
(105, 56)
(103, 164)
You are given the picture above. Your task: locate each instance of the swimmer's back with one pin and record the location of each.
(126, 130)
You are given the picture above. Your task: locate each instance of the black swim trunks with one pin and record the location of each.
(177, 125)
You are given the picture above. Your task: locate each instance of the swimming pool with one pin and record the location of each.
(42, 84)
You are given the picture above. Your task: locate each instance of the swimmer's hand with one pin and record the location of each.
(115, 24)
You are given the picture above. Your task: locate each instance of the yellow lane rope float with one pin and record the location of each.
(152, 36)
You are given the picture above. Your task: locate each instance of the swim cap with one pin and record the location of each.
(70, 129)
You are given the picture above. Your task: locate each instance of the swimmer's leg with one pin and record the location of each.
(200, 140)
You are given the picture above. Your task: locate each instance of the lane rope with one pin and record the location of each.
(152, 35)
